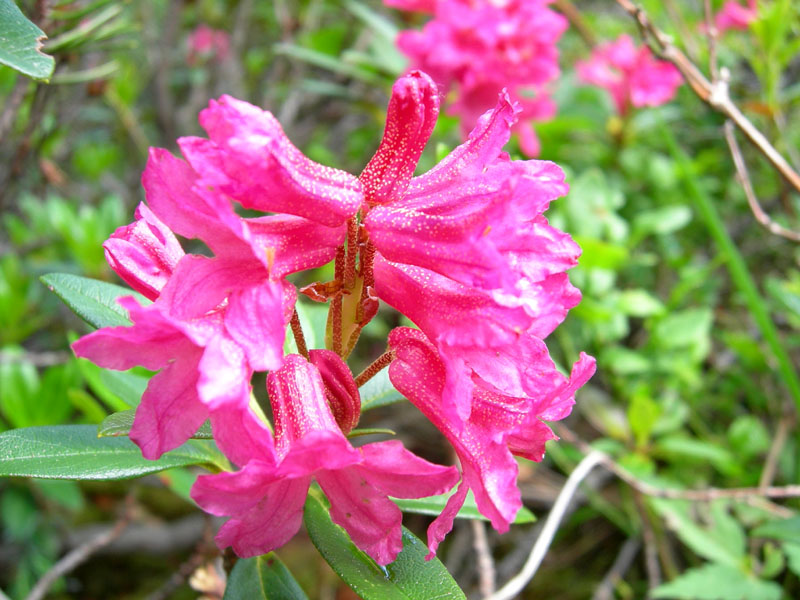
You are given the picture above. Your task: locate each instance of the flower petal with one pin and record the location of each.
(170, 411)
(411, 117)
(264, 171)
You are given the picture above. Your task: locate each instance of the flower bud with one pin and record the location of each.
(340, 388)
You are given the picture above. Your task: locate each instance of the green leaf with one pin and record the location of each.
(379, 391)
(409, 576)
(262, 577)
(722, 540)
(717, 582)
(21, 43)
(434, 505)
(75, 452)
(786, 530)
(120, 423)
(92, 300)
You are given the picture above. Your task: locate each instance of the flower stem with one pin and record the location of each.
(352, 253)
(380, 363)
(297, 331)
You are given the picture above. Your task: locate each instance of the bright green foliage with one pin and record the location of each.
(434, 505)
(262, 577)
(21, 43)
(717, 582)
(75, 452)
(409, 576)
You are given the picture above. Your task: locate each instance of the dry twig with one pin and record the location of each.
(486, 570)
(714, 95)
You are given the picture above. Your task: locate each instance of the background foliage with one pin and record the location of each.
(690, 306)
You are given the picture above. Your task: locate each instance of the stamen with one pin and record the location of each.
(297, 331)
(380, 363)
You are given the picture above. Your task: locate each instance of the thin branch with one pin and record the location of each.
(650, 546)
(377, 365)
(297, 331)
(486, 571)
(519, 581)
(711, 33)
(623, 562)
(744, 178)
(573, 15)
(80, 554)
(704, 495)
(716, 96)
(771, 463)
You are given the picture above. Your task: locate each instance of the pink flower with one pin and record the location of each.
(480, 48)
(201, 370)
(735, 16)
(498, 427)
(463, 250)
(206, 43)
(265, 498)
(631, 75)
(144, 253)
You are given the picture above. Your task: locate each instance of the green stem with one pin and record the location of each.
(737, 267)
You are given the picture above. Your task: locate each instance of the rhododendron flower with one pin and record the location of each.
(631, 75)
(205, 43)
(265, 498)
(462, 250)
(735, 16)
(498, 426)
(479, 48)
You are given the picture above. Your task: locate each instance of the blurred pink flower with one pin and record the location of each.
(205, 43)
(478, 48)
(735, 16)
(265, 498)
(631, 75)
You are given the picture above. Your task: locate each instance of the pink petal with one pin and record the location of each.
(423, 6)
(254, 318)
(169, 185)
(395, 471)
(266, 513)
(170, 411)
(152, 342)
(411, 117)
(294, 244)
(224, 379)
(487, 465)
(448, 312)
(143, 253)
(443, 524)
(242, 436)
(200, 284)
(340, 388)
(371, 520)
(264, 171)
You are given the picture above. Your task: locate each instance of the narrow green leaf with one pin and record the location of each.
(262, 577)
(409, 576)
(379, 391)
(434, 505)
(75, 452)
(120, 423)
(20, 43)
(370, 431)
(93, 301)
(326, 61)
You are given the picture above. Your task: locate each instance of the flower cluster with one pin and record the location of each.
(462, 250)
(479, 47)
(631, 75)
(733, 15)
(205, 43)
